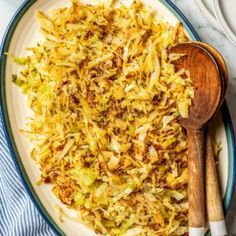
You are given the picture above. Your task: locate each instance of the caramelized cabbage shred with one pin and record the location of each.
(105, 133)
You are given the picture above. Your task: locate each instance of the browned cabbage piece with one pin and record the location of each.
(106, 99)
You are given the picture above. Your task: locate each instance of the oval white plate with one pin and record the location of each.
(23, 32)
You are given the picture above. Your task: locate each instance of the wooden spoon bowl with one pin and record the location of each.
(218, 57)
(207, 84)
(221, 66)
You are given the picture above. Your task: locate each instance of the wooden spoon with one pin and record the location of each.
(215, 211)
(207, 93)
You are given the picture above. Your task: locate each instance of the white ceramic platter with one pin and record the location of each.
(221, 14)
(225, 12)
(206, 8)
(23, 32)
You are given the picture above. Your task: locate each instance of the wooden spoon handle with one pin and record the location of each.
(196, 182)
(213, 198)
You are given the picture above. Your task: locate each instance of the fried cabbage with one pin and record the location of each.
(105, 132)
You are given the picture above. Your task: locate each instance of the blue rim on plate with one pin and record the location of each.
(10, 139)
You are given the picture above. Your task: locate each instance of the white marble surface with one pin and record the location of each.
(207, 34)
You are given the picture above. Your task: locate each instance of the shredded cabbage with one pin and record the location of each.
(106, 101)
